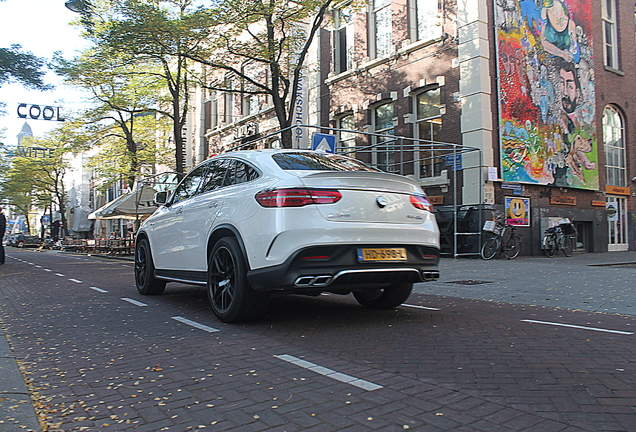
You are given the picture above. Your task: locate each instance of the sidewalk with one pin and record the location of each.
(16, 408)
(601, 282)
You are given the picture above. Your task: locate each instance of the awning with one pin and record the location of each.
(138, 204)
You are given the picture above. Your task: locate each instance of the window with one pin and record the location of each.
(614, 144)
(249, 102)
(343, 39)
(610, 39)
(346, 140)
(428, 111)
(229, 101)
(239, 172)
(189, 185)
(318, 162)
(216, 173)
(382, 28)
(384, 150)
(425, 20)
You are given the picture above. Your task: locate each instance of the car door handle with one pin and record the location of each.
(179, 211)
(213, 204)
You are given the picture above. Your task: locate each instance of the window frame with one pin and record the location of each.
(383, 155)
(435, 169)
(609, 17)
(377, 45)
(615, 155)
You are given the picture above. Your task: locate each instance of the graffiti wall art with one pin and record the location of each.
(546, 92)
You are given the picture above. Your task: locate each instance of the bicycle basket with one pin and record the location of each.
(568, 229)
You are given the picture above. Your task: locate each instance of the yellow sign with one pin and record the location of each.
(618, 190)
(517, 211)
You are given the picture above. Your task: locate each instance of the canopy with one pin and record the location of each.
(134, 205)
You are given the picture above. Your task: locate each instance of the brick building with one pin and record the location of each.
(526, 106)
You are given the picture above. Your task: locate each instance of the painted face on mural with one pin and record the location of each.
(569, 90)
(558, 16)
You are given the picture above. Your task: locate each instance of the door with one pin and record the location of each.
(617, 223)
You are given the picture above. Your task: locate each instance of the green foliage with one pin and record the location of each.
(21, 67)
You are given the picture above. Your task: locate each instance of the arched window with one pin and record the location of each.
(614, 145)
(346, 140)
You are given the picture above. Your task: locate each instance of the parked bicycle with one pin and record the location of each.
(561, 236)
(504, 240)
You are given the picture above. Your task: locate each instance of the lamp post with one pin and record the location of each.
(77, 6)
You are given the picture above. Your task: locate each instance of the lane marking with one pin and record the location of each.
(195, 324)
(98, 289)
(76, 281)
(132, 301)
(48, 270)
(347, 379)
(421, 307)
(59, 274)
(577, 327)
(38, 266)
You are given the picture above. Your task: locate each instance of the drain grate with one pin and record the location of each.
(469, 282)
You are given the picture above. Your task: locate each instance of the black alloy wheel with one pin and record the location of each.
(145, 280)
(230, 295)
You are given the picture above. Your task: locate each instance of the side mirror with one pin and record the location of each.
(161, 198)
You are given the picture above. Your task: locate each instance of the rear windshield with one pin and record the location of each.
(318, 162)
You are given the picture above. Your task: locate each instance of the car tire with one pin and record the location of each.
(145, 280)
(229, 292)
(384, 298)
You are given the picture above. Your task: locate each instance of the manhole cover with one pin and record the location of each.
(469, 282)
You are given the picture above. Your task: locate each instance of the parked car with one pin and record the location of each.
(249, 223)
(24, 241)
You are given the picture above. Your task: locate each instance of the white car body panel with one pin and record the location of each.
(179, 233)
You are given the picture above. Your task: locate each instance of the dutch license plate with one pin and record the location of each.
(382, 254)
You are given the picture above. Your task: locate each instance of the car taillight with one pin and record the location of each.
(420, 202)
(297, 197)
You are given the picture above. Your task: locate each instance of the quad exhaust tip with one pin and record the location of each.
(313, 281)
(430, 276)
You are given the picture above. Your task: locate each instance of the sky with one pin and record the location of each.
(41, 27)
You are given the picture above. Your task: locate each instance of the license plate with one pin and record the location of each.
(382, 254)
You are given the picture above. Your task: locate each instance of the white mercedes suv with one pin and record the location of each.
(249, 223)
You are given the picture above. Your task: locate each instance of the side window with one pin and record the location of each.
(244, 172)
(189, 185)
(215, 175)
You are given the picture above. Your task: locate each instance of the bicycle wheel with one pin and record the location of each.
(513, 246)
(490, 248)
(567, 246)
(549, 246)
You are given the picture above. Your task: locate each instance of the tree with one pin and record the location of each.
(122, 119)
(274, 35)
(25, 68)
(155, 38)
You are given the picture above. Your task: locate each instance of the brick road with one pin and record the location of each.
(98, 361)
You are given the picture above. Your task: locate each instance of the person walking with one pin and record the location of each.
(3, 227)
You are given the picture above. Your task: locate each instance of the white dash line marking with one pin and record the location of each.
(195, 324)
(132, 301)
(48, 270)
(348, 379)
(59, 274)
(421, 307)
(98, 289)
(578, 327)
(76, 281)
(38, 266)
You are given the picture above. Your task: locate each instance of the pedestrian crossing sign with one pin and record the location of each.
(323, 142)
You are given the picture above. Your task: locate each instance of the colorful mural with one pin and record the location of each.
(546, 89)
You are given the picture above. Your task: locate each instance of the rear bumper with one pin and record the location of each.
(337, 267)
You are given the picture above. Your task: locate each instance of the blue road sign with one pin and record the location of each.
(323, 142)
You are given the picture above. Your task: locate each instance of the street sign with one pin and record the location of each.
(323, 142)
(454, 161)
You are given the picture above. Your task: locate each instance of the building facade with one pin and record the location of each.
(522, 106)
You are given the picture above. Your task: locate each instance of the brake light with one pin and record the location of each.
(420, 202)
(297, 197)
